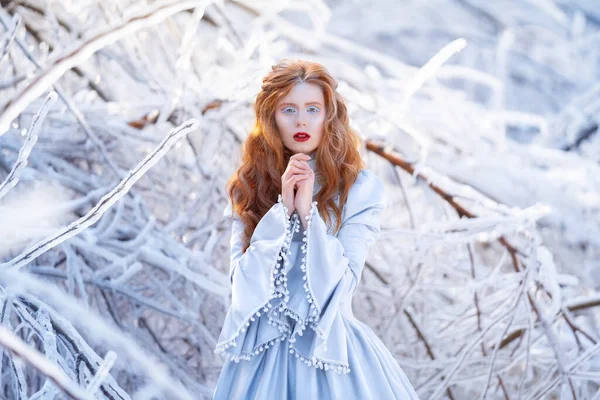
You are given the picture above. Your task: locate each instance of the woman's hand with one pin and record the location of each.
(297, 171)
(303, 199)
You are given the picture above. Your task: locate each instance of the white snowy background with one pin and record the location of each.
(121, 121)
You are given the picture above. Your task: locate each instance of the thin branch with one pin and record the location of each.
(13, 343)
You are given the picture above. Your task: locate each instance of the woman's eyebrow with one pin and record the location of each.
(293, 104)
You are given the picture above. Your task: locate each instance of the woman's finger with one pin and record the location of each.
(297, 177)
(295, 168)
(299, 164)
(294, 178)
(300, 156)
(294, 171)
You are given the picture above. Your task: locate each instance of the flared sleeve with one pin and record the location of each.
(332, 266)
(258, 284)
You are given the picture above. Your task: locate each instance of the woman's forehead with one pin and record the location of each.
(303, 93)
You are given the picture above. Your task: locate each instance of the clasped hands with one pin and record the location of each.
(298, 175)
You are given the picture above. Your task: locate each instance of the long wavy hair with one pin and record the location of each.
(255, 186)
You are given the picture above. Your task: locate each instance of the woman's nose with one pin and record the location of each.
(301, 121)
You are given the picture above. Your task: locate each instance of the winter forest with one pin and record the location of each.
(121, 121)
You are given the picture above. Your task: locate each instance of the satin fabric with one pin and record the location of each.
(289, 332)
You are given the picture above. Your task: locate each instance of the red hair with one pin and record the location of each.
(254, 187)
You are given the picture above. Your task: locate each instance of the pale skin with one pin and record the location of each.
(298, 175)
(301, 110)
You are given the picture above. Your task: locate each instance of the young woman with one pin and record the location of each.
(305, 212)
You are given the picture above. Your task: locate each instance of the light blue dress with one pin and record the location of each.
(290, 332)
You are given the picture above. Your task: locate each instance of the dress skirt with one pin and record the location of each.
(277, 374)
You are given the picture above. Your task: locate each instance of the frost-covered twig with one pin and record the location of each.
(102, 372)
(27, 287)
(448, 376)
(14, 344)
(106, 202)
(549, 332)
(555, 345)
(182, 64)
(32, 134)
(9, 37)
(39, 84)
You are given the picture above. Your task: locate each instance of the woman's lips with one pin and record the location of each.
(301, 137)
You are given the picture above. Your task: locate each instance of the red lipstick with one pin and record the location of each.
(301, 136)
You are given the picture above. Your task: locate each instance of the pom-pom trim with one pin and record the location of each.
(279, 289)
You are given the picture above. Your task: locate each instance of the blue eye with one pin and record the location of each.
(288, 108)
(314, 108)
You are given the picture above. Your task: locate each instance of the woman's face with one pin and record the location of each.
(300, 117)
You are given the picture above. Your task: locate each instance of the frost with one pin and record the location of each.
(120, 123)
